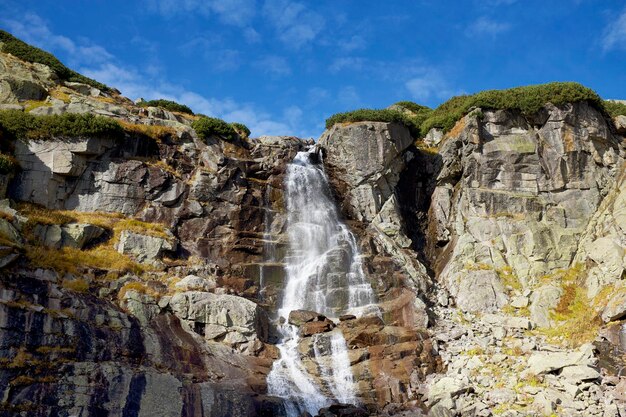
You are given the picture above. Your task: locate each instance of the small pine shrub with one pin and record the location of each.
(241, 129)
(24, 126)
(529, 100)
(373, 115)
(206, 127)
(78, 125)
(614, 108)
(412, 106)
(167, 105)
(29, 53)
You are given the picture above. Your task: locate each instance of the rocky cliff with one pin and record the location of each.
(141, 273)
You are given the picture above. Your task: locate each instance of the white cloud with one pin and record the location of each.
(295, 25)
(273, 64)
(316, 95)
(428, 85)
(34, 30)
(348, 96)
(615, 34)
(356, 42)
(350, 63)
(493, 3)
(232, 12)
(484, 26)
(95, 62)
(251, 35)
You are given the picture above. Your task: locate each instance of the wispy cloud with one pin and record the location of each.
(485, 26)
(354, 43)
(95, 62)
(34, 30)
(273, 64)
(428, 85)
(615, 34)
(348, 96)
(295, 24)
(349, 62)
(232, 12)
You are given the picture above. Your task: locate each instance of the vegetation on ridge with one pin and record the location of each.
(206, 127)
(241, 129)
(373, 115)
(24, 126)
(615, 108)
(528, 100)
(20, 49)
(167, 105)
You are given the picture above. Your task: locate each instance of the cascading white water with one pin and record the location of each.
(324, 273)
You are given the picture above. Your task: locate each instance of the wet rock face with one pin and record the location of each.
(515, 194)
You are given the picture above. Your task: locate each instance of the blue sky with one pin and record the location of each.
(283, 66)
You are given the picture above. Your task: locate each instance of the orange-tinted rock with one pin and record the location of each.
(315, 327)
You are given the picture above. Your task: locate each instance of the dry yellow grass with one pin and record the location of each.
(60, 93)
(155, 132)
(140, 287)
(576, 316)
(33, 104)
(71, 260)
(76, 285)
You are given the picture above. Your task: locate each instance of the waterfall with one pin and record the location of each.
(324, 273)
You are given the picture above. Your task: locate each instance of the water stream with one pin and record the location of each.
(324, 273)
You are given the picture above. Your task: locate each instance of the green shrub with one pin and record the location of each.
(28, 53)
(241, 129)
(614, 108)
(16, 124)
(371, 115)
(527, 99)
(412, 106)
(7, 164)
(419, 113)
(206, 127)
(78, 125)
(24, 126)
(167, 105)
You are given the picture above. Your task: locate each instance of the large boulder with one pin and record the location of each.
(144, 248)
(72, 235)
(224, 318)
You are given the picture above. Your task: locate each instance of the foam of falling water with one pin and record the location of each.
(335, 367)
(324, 274)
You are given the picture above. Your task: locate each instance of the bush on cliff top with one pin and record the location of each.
(167, 105)
(24, 126)
(29, 53)
(206, 127)
(614, 108)
(372, 115)
(241, 129)
(527, 99)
